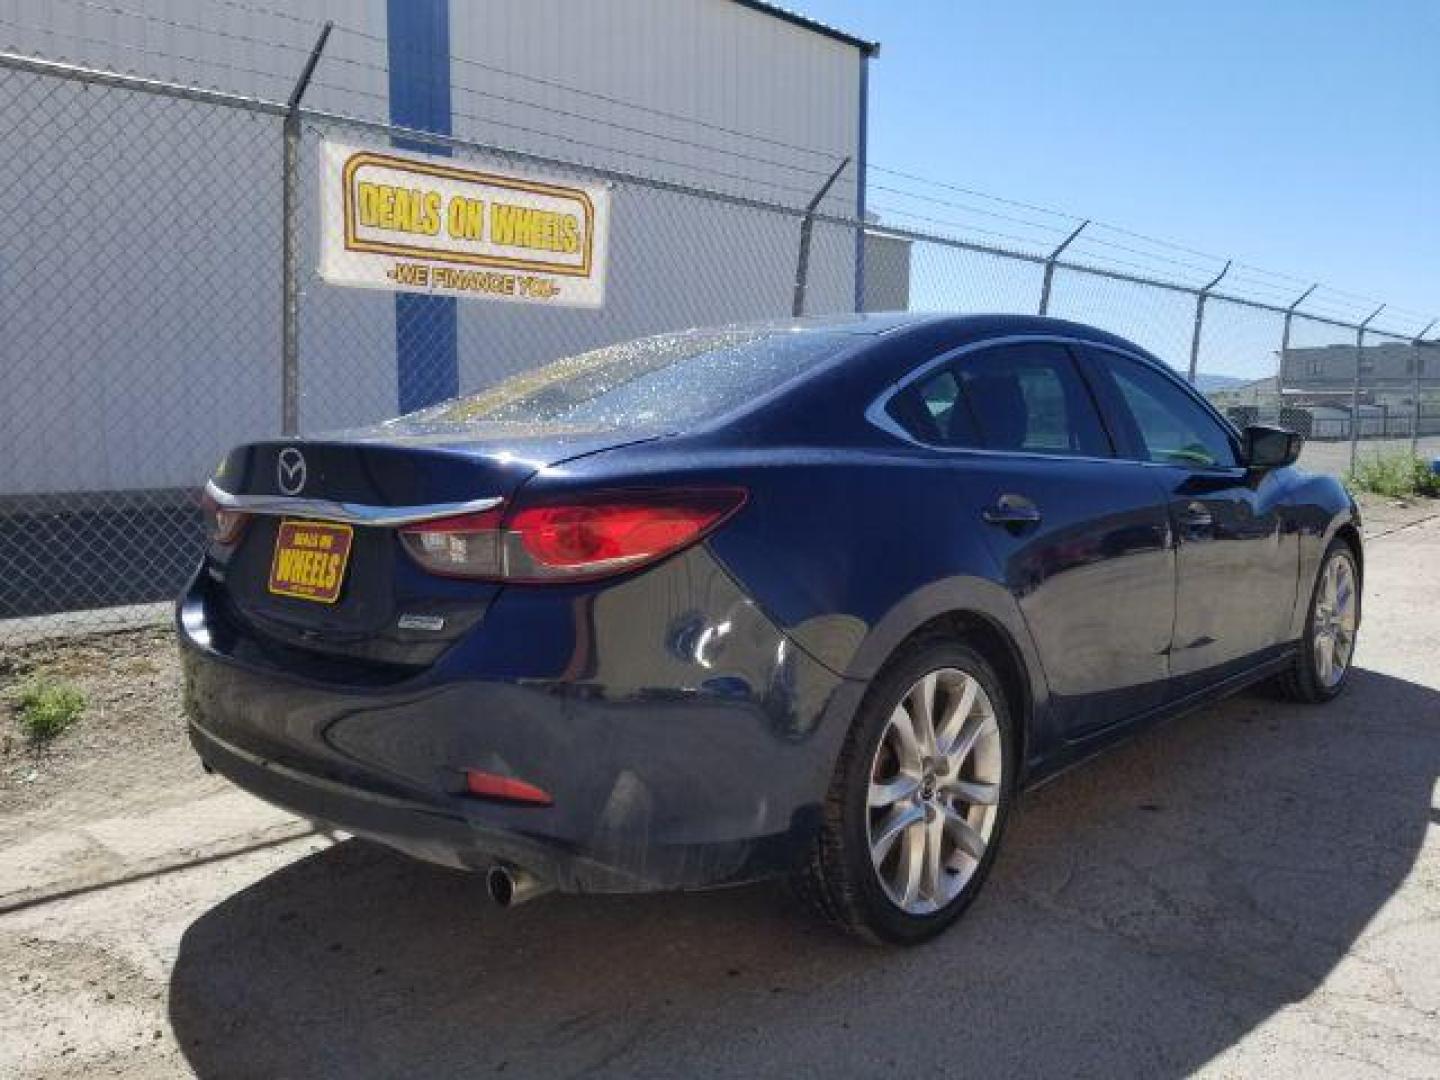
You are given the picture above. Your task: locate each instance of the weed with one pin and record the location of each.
(46, 708)
(1399, 476)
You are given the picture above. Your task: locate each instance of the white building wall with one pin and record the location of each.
(137, 349)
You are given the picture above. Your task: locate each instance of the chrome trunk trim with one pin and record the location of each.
(351, 513)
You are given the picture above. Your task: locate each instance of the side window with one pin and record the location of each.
(1173, 429)
(1025, 397)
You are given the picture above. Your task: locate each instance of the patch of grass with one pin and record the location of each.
(46, 708)
(1399, 476)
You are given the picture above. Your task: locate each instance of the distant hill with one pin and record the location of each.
(1208, 383)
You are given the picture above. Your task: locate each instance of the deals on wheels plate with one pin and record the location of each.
(309, 561)
(417, 223)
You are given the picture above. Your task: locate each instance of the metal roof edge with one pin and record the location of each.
(869, 48)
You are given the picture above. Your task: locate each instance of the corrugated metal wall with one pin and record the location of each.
(176, 322)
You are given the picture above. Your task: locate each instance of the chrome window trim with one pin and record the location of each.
(879, 417)
(349, 513)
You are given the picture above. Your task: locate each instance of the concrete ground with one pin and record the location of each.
(1334, 457)
(1250, 890)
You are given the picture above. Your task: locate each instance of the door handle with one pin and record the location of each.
(1196, 516)
(1012, 510)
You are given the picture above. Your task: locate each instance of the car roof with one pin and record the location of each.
(961, 324)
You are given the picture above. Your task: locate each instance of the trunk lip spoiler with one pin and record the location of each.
(348, 512)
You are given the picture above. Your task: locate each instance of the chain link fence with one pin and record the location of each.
(160, 301)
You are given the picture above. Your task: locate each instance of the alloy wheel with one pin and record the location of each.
(1333, 634)
(936, 782)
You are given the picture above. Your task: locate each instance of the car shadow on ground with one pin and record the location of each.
(1150, 909)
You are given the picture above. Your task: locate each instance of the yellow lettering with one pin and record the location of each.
(384, 206)
(542, 230)
(411, 210)
(430, 217)
(466, 218)
(369, 204)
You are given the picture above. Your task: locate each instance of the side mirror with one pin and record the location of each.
(1266, 447)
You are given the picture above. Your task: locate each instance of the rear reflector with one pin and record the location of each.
(581, 538)
(508, 789)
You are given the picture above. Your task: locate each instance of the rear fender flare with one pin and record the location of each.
(968, 596)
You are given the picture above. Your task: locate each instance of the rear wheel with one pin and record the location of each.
(919, 799)
(1322, 667)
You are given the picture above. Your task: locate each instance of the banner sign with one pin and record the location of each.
(415, 223)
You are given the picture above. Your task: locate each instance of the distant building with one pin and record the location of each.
(1326, 375)
(1315, 389)
(887, 271)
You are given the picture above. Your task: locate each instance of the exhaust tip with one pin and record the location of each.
(509, 885)
(501, 886)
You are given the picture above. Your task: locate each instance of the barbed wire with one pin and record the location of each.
(1248, 276)
(596, 95)
(818, 173)
(124, 46)
(804, 193)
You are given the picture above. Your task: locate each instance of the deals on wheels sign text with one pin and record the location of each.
(415, 223)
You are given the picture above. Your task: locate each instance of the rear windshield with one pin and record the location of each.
(669, 382)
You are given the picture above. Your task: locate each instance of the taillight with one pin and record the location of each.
(580, 538)
(464, 546)
(226, 526)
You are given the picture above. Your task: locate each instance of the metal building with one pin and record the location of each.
(735, 96)
(141, 234)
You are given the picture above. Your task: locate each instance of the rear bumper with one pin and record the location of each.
(679, 774)
(419, 830)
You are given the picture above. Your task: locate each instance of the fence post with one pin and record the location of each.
(802, 264)
(1050, 267)
(1417, 344)
(1200, 299)
(290, 247)
(1285, 346)
(1355, 389)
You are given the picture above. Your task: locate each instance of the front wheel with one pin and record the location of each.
(919, 799)
(1322, 666)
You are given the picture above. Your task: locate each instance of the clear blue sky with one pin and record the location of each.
(1302, 136)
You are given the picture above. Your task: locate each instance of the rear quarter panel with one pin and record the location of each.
(848, 550)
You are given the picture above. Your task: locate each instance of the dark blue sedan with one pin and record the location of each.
(815, 599)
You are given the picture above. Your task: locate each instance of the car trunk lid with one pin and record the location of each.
(319, 565)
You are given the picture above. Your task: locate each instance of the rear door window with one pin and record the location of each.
(1026, 398)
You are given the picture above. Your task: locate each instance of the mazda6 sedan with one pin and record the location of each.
(814, 599)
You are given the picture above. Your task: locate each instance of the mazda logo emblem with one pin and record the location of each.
(290, 471)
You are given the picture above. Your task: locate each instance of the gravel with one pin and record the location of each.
(1250, 890)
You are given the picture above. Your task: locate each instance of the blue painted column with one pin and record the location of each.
(862, 146)
(418, 33)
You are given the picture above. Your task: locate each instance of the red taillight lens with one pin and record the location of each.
(226, 526)
(565, 541)
(590, 538)
(506, 788)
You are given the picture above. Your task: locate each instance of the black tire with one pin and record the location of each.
(838, 881)
(1301, 681)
